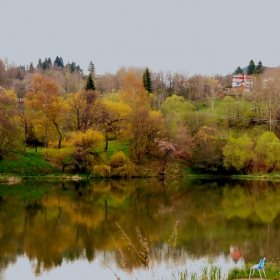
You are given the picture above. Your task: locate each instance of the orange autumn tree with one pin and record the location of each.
(133, 92)
(45, 105)
(143, 123)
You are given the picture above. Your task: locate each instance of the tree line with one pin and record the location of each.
(166, 117)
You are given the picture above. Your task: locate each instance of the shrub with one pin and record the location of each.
(121, 165)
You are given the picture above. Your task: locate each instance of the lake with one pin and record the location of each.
(135, 229)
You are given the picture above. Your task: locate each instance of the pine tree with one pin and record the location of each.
(147, 81)
(259, 68)
(31, 68)
(61, 62)
(49, 62)
(90, 83)
(91, 69)
(251, 68)
(40, 64)
(238, 70)
(57, 61)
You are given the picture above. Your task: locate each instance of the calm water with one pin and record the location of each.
(56, 230)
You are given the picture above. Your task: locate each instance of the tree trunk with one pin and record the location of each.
(246, 169)
(106, 141)
(60, 135)
(271, 168)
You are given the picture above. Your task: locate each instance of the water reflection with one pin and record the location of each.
(52, 224)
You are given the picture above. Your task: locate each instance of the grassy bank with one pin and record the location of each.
(32, 163)
(272, 271)
(212, 272)
(28, 163)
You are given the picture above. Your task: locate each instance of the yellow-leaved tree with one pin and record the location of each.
(83, 109)
(239, 153)
(268, 150)
(113, 117)
(9, 132)
(84, 146)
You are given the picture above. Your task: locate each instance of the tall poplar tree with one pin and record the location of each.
(90, 84)
(147, 81)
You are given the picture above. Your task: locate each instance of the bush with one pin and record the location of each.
(121, 165)
(102, 170)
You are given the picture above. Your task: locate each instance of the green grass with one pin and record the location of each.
(29, 163)
(32, 163)
(272, 271)
(115, 146)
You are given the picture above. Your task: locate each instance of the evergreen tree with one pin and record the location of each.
(90, 83)
(91, 69)
(73, 67)
(251, 68)
(259, 68)
(31, 68)
(238, 70)
(147, 81)
(39, 64)
(61, 62)
(49, 62)
(58, 61)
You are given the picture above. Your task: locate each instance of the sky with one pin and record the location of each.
(205, 37)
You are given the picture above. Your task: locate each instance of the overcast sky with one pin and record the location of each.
(198, 36)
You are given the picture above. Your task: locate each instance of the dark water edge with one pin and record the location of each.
(53, 223)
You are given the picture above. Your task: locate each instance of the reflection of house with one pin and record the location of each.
(235, 253)
(241, 83)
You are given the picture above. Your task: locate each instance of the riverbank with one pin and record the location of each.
(32, 164)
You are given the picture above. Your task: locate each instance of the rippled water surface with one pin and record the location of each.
(91, 230)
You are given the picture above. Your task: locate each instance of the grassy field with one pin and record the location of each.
(33, 163)
(29, 163)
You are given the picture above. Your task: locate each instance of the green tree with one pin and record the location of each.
(31, 68)
(177, 110)
(39, 64)
(58, 61)
(207, 151)
(147, 82)
(239, 153)
(259, 68)
(251, 68)
(238, 70)
(90, 84)
(268, 150)
(91, 69)
(9, 130)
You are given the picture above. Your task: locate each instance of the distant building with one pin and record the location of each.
(220, 84)
(241, 83)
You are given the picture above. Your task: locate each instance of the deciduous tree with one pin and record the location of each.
(268, 150)
(239, 153)
(112, 117)
(46, 105)
(83, 109)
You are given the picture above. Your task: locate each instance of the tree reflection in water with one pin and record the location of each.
(53, 222)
